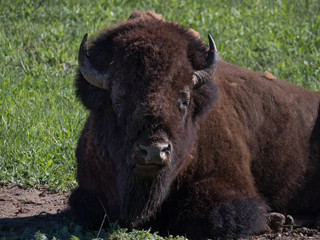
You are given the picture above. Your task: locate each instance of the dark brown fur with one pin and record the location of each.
(243, 146)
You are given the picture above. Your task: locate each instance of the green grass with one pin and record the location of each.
(40, 118)
(69, 230)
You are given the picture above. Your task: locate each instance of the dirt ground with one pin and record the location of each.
(37, 209)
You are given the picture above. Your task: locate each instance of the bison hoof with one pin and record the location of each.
(238, 218)
(276, 222)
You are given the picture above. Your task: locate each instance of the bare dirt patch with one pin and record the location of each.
(17, 202)
(38, 209)
(34, 209)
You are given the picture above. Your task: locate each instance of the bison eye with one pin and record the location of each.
(117, 107)
(183, 104)
(117, 104)
(184, 100)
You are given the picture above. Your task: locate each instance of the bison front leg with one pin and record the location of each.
(96, 198)
(221, 210)
(87, 209)
(238, 217)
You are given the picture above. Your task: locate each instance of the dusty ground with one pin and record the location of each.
(35, 210)
(17, 202)
(38, 209)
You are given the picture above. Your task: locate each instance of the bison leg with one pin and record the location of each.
(231, 219)
(237, 218)
(87, 209)
(224, 209)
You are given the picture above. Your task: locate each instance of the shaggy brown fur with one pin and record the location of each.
(241, 144)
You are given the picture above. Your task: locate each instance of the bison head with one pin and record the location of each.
(148, 83)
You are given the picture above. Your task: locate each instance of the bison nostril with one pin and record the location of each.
(143, 152)
(165, 151)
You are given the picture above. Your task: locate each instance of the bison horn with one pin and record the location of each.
(201, 77)
(92, 76)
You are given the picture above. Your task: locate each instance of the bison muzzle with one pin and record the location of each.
(182, 142)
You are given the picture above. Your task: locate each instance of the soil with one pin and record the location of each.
(35, 210)
(38, 209)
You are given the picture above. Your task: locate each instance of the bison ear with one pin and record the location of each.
(92, 79)
(204, 99)
(91, 97)
(205, 91)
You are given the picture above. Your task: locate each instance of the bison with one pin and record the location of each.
(182, 142)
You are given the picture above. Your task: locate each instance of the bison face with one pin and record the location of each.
(157, 140)
(155, 127)
(153, 97)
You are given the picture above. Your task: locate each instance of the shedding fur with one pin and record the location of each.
(239, 145)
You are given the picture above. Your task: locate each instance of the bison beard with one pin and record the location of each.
(140, 198)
